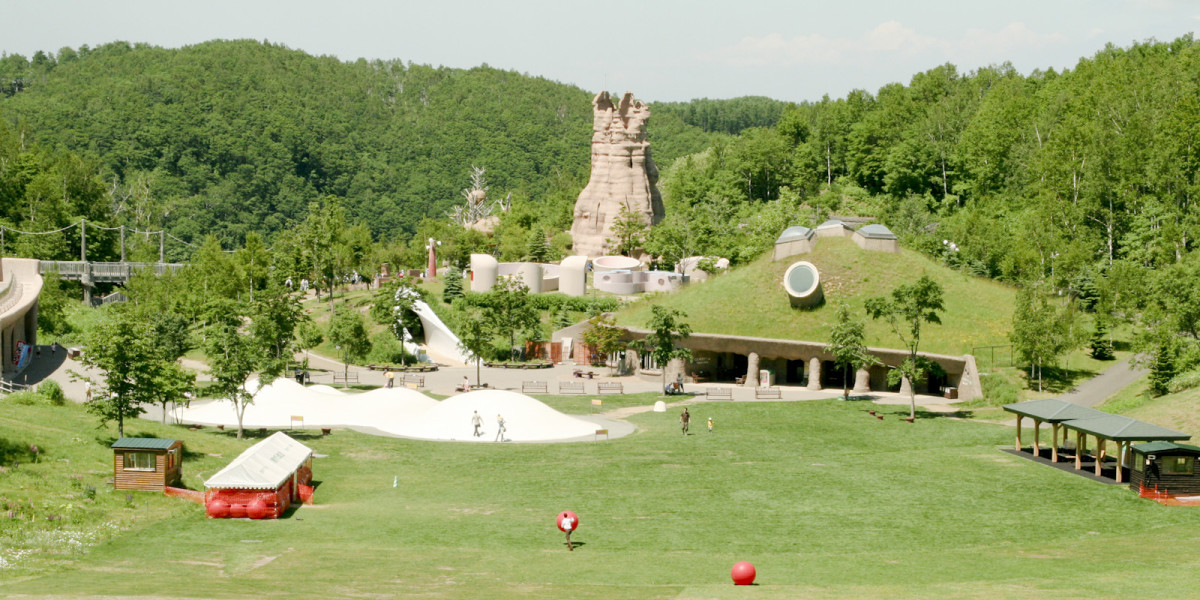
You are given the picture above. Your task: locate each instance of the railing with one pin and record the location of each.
(8, 387)
(108, 272)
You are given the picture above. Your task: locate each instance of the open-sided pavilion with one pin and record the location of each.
(1086, 421)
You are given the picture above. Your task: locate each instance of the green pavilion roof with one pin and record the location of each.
(1120, 428)
(1053, 410)
(1152, 447)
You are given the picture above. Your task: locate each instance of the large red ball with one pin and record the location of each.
(566, 514)
(217, 509)
(258, 509)
(743, 573)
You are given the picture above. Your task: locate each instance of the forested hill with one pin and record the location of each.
(228, 137)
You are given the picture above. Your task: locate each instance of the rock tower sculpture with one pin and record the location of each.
(623, 174)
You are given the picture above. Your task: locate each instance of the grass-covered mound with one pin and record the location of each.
(826, 501)
(751, 301)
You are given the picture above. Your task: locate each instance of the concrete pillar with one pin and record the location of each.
(673, 368)
(862, 381)
(752, 370)
(814, 373)
(31, 319)
(905, 387)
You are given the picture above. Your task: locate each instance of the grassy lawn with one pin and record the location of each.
(978, 311)
(827, 502)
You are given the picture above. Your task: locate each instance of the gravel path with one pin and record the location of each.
(1101, 387)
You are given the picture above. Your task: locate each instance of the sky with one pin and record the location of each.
(662, 50)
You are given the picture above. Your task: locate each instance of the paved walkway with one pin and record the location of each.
(1101, 387)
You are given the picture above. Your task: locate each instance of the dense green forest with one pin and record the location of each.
(232, 137)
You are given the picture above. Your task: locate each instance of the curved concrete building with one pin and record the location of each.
(20, 286)
(803, 285)
(616, 263)
(531, 275)
(484, 269)
(572, 275)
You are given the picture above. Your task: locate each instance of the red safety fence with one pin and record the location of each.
(1153, 493)
(255, 504)
(306, 493)
(194, 495)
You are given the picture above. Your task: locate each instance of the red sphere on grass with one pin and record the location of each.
(566, 514)
(743, 573)
(217, 509)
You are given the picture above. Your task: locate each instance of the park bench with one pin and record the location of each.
(533, 387)
(610, 387)
(417, 380)
(768, 392)
(719, 393)
(351, 377)
(570, 387)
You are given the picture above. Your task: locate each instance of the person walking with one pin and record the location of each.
(477, 422)
(568, 525)
(500, 428)
(390, 379)
(684, 419)
(87, 387)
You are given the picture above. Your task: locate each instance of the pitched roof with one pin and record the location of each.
(1150, 447)
(265, 465)
(1121, 428)
(127, 443)
(1053, 410)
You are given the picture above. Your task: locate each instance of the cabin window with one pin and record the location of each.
(139, 461)
(172, 458)
(1178, 465)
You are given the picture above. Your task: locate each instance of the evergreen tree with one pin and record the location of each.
(539, 248)
(1101, 345)
(453, 282)
(1163, 368)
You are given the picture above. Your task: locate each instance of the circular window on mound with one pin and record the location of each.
(801, 279)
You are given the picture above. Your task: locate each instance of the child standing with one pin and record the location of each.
(710, 422)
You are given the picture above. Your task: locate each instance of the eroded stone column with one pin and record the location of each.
(814, 373)
(862, 381)
(905, 387)
(752, 370)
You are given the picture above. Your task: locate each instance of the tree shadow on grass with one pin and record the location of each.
(259, 433)
(1057, 380)
(16, 452)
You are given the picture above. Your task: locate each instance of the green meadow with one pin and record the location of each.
(825, 500)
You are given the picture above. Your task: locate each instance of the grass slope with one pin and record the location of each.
(827, 502)
(751, 300)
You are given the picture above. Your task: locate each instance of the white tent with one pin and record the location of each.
(265, 465)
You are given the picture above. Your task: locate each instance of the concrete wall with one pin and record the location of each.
(792, 248)
(876, 244)
(19, 291)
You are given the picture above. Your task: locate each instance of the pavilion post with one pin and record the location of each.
(1037, 434)
(1054, 441)
(1018, 442)
(1100, 446)
(1120, 459)
(1080, 448)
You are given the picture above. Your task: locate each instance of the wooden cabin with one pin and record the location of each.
(262, 482)
(146, 463)
(1168, 467)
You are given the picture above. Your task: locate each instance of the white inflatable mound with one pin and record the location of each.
(527, 419)
(276, 404)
